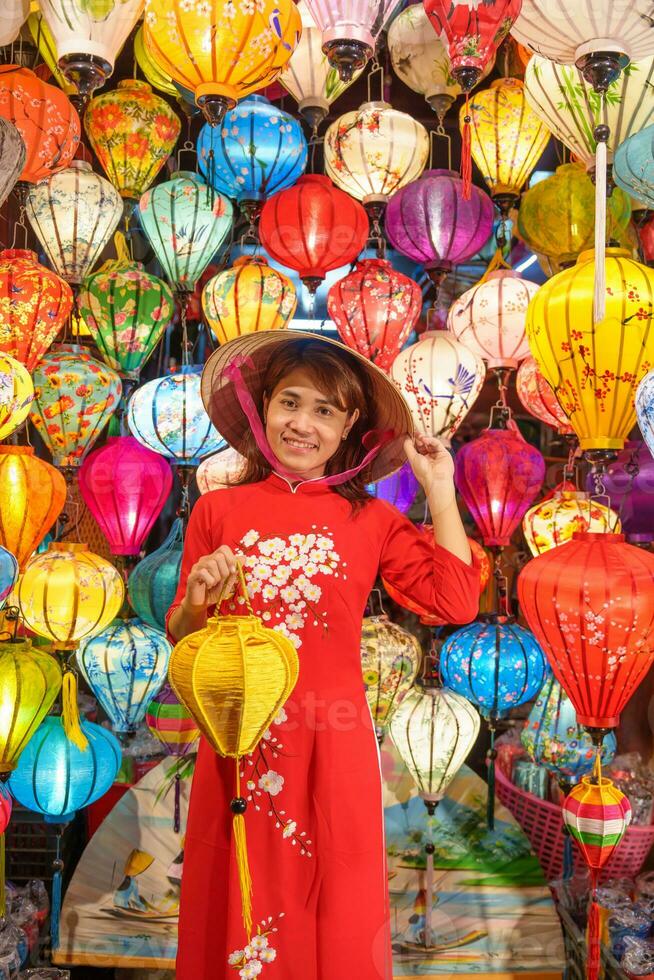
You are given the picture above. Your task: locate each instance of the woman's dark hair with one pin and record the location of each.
(348, 387)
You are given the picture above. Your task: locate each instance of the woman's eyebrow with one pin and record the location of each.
(298, 396)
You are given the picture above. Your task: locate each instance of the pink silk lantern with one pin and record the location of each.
(498, 475)
(125, 486)
(538, 398)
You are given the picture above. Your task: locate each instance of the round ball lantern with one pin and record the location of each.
(350, 29)
(34, 305)
(594, 368)
(126, 310)
(132, 132)
(434, 731)
(257, 151)
(473, 32)
(431, 223)
(375, 309)
(490, 318)
(67, 594)
(552, 737)
(125, 666)
(628, 482)
(33, 494)
(12, 158)
(75, 396)
(221, 52)
(248, 297)
(557, 215)
(186, 224)
(125, 486)
(538, 398)
(313, 227)
(591, 605)
(30, 680)
(16, 394)
(167, 416)
(153, 582)
(221, 470)
(373, 151)
(440, 379)
(399, 489)
(73, 214)
(498, 475)
(557, 519)
(390, 658)
(45, 119)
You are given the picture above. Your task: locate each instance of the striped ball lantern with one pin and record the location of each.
(248, 297)
(173, 725)
(538, 398)
(152, 584)
(33, 494)
(390, 658)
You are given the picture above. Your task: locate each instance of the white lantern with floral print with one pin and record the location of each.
(220, 471)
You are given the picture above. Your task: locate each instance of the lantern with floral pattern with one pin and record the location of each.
(538, 398)
(16, 395)
(221, 470)
(473, 32)
(248, 297)
(390, 658)
(350, 29)
(556, 519)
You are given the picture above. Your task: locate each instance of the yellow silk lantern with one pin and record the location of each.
(507, 138)
(16, 394)
(595, 368)
(33, 494)
(221, 51)
(552, 522)
(234, 676)
(68, 594)
(248, 297)
(30, 681)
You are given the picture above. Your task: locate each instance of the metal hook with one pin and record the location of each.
(375, 69)
(440, 133)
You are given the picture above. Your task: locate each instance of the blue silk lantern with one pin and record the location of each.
(633, 166)
(125, 666)
(553, 739)
(399, 489)
(8, 574)
(168, 416)
(257, 151)
(153, 582)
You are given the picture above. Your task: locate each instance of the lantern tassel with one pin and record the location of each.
(601, 134)
(466, 152)
(177, 821)
(242, 863)
(55, 909)
(594, 934)
(70, 712)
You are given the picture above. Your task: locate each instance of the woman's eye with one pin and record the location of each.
(326, 411)
(287, 403)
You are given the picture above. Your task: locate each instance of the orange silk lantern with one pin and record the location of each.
(33, 494)
(538, 398)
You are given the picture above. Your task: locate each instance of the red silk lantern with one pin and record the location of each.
(34, 305)
(646, 236)
(45, 119)
(313, 227)
(590, 604)
(125, 486)
(498, 475)
(375, 309)
(538, 398)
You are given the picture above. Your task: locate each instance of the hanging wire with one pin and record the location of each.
(375, 594)
(440, 133)
(20, 222)
(188, 146)
(502, 379)
(375, 69)
(186, 346)
(501, 585)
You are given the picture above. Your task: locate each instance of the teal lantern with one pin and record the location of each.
(186, 223)
(8, 574)
(168, 416)
(125, 666)
(153, 582)
(633, 166)
(257, 151)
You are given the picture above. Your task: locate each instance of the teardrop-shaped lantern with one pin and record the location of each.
(441, 379)
(498, 475)
(12, 157)
(30, 680)
(167, 415)
(257, 151)
(221, 470)
(125, 666)
(75, 396)
(390, 658)
(16, 394)
(125, 486)
(126, 310)
(186, 224)
(375, 308)
(35, 304)
(350, 29)
(538, 398)
(557, 519)
(67, 594)
(33, 494)
(74, 214)
(45, 119)
(132, 132)
(473, 32)
(153, 582)
(248, 297)
(372, 152)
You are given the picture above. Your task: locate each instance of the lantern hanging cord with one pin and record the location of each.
(501, 585)
(439, 133)
(186, 347)
(601, 134)
(502, 379)
(188, 147)
(570, 470)
(632, 469)
(375, 69)
(314, 143)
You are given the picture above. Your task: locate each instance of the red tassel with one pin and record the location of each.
(466, 153)
(594, 937)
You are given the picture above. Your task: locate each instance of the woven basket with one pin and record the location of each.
(543, 824)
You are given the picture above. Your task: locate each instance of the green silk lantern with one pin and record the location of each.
(126, 310)
(30, 680)
(153, 582)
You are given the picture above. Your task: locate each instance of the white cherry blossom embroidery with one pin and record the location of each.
(251, 960)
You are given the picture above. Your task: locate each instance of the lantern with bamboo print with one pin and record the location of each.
(554, 521)
(211, 672)
(221, 53)
(173, 725)
(538, 398)
(152, 584)
(12, 158)
(390, 658)
(594, 367)
(44, 41)
(248, 297)
(33, 494)
(350, 29)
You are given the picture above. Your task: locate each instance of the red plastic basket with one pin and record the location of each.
(543, 824)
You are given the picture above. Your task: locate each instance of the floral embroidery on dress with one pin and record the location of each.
(251, 960)
(285, 573)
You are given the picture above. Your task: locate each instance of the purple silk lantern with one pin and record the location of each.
(429, 221)
(498, 475)
(629, 483)
(399, 489)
